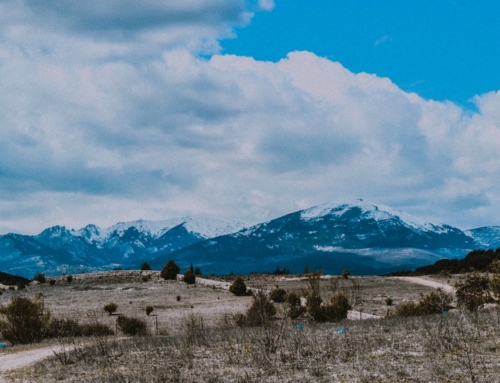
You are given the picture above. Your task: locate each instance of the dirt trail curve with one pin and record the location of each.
(22, 359)
(427, 282)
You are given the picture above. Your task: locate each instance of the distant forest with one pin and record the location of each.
(11, 280)
(479, 260)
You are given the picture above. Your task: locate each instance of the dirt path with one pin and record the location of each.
(427, 282)
(22, 359)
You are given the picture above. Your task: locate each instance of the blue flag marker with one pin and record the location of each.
(3, 345)
(300, 326)
(445, 312)
(340, 330)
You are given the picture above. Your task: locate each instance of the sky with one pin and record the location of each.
(246, 109)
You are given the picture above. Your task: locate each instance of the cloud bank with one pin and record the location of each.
(110, 112)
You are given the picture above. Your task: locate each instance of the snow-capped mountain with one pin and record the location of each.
(362, 237)
(126, 244)
(487, 237)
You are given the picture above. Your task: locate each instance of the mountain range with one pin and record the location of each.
(362, 237)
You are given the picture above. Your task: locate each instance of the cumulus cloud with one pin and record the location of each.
(100, 129)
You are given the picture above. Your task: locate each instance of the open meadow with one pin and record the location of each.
(193, 335)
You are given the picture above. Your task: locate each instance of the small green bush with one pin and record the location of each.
(131, 326)
(388, 301)
(110, 308)
(178, 297)
(278, 295)
(170, 271)
(346, 273)
(69, 278)
(149, 309)
(189, 277)
(238, 287)
(52, 282)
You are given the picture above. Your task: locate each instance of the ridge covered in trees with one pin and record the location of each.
(478, 260)
(11, 280)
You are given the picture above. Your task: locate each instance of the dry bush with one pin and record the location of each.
(24, 321)
(261, 310)
(473, 291)
(40, 277)
(132, 326)
(436, 302)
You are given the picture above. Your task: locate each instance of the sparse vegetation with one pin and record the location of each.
(435, 302)
(149, 310)
(170, 271)
(346, 273)
(219, 346)
(69, 278)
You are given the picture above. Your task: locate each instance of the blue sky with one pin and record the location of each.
(247, 109)
(442, 50)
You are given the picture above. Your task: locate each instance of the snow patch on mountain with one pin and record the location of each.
(378, 213)
(202, 226)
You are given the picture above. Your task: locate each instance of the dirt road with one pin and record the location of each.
(427, 282)
(22, 359)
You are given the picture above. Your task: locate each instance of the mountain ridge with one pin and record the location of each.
(365, 237)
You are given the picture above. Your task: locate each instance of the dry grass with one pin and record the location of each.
(202, 344)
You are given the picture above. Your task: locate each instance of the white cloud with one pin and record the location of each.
(267, 5)
(106, 130)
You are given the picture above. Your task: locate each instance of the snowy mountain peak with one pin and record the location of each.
(370, 211)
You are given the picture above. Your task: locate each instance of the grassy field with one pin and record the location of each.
(196, 340)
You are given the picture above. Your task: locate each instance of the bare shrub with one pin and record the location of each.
(25, 321)
(436, 302)
(40, 277)
(473, 290)
(261, 310)
(295, 308)
(131, 325)
(238, 287)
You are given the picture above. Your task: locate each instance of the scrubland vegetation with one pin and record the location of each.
(267, 329)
